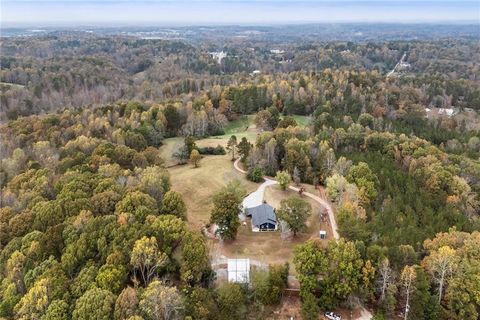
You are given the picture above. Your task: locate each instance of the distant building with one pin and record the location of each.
(238, 270)
(255, 73)
(277, 51)
(446, 112)
(218, 56)
(263, 218)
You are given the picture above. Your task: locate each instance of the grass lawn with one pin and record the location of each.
(302, 121)
(239, 125)
(169, 146)
(242, 127)
(197, 185)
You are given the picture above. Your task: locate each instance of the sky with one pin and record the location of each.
(196, 12)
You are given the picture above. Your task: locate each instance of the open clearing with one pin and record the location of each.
(269, 247)
(243, 127)
(197, 186)
(12, 85)
(302, 121)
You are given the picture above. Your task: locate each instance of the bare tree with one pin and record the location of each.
(408, 278)
(441, 265)
(385, 277)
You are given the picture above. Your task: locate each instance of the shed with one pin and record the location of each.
(323, 234)
(238, 270)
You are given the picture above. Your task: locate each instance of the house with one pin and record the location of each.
(446, 111)
(263, 218)
(238, 270)
(277, 51)
(219, 56)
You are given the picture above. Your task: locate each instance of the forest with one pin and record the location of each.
(91, 225)
(74, 69)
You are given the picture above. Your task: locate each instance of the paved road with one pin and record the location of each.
(396, 66)
(261, 190)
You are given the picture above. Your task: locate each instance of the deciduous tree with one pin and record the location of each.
(94, 304)
(147, 258)
(408, 279)
(226, 207)
(232, 146)
(173, 204)
(244, 148)
(195, 158)
(283, 179)
(195, 264)
(126, 305)
(160, 302)
(441, 265)
(295, 211)
(231, 302)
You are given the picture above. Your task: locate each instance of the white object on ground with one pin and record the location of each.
(238, 270)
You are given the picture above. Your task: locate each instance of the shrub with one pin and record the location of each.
(255, 174)
(218, 150)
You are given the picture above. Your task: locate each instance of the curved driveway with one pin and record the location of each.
(256, 196)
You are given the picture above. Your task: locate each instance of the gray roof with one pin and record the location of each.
(262, 214)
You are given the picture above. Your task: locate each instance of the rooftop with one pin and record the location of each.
(262, 214)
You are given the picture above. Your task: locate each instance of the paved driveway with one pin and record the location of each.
(256, 198)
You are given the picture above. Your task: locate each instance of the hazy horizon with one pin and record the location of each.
(223, 12)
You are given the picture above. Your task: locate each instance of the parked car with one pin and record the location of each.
(332, 316)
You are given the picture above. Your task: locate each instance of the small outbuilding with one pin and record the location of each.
(263, 218)
(323, 234)
(238, 270)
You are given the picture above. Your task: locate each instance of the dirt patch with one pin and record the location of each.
(290, 306)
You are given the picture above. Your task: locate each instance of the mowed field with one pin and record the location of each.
(243, 127)
(198, 185)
